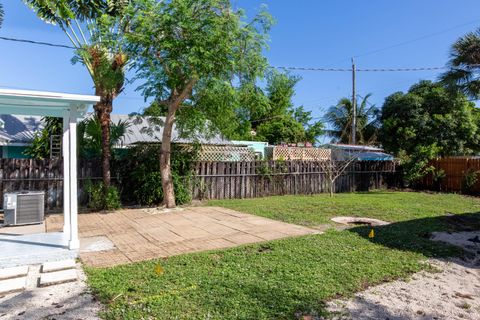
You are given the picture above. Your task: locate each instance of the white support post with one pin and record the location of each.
(74, 242)
(66, 173)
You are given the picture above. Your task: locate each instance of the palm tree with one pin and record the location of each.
(340, 119)
(90, 136)
(96, 30)
(464, 73)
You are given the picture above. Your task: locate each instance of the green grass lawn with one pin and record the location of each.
(287, 278)
(384, 205)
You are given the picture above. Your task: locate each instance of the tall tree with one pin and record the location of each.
(464, 73)
(426, 122)
(186, 47)
(340, 119)
(96, 29)
(277, 120)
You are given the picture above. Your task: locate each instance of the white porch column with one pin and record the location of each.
(66, 172)
(74, 242)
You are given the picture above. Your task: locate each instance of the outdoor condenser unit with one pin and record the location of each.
(26, 207)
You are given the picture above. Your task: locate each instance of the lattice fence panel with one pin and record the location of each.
(296, 153)
(226, 154)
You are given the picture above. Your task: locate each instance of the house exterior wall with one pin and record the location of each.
(13, 152)
(257, 146)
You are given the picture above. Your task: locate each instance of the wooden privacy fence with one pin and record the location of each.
(45, 175)
(212, 180)
(455, 169)
(227, 180)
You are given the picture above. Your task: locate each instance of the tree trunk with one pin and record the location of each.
(176, 99)
(165, 155)
(103, 109)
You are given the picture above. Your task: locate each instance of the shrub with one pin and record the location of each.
(102, 198)
(139, 169)
(182, 192)
(470, 179)
(149, 190)
(438, 176)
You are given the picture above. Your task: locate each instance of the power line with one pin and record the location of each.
(416, 39)
(406, 42)
(278, 67)
(38, 43)
(363, 70)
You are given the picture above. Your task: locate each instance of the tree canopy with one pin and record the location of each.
(275, 119)
(426, 122)
(186, 49)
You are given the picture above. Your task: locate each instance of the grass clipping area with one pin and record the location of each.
(286, 279)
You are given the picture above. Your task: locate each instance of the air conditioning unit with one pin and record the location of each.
(25, 207)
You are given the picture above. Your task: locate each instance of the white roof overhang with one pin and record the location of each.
(41, 103)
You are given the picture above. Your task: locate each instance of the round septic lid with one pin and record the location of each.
(359, 221)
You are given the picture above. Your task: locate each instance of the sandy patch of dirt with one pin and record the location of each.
(451, 293)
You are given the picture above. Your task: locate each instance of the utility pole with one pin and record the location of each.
(353, 138)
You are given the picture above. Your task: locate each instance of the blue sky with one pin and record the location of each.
(308, 33)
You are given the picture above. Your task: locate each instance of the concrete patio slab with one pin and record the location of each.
(13, 285)
(58, 265)
(57, 277)
(139, 235)
(13, 272)
(34, 249)
(22, 230)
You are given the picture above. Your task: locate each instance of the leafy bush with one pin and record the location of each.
(102, 198)
(470, 179)
(139, 169)
(415, 166)
(149, 190)
(182, 192)
(438, 176)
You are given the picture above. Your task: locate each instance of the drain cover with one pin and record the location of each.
(359, 221)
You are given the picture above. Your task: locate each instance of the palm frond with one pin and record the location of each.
(2, 14)
(464, 64)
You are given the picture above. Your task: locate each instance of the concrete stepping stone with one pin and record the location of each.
(58, 265)
(13, 272)
(13, 285)
(57, 277)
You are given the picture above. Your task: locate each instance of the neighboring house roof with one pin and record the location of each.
(137, 133)
(19, 130)
(353, 147)
(362, 153)
(375, 156)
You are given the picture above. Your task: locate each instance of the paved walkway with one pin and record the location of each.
(147, 234)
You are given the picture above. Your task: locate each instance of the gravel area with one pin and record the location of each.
(451, 293)
(64, 301)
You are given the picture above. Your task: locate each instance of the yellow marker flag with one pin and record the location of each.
(371, 235)
(158, 270)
